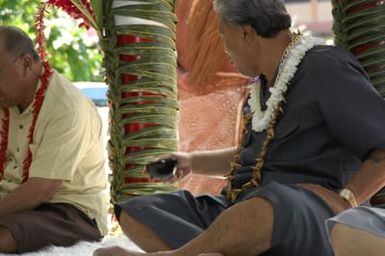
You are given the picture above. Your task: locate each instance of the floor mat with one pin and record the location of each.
(82, 248)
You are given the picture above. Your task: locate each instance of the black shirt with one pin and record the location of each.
(332, 119)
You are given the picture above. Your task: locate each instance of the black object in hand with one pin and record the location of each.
(162, 169)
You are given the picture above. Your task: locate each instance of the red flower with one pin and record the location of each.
(72, 10)
(40, 26)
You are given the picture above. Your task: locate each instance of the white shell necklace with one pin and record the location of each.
(291, 58)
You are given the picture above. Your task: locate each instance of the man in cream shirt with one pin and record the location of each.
(52, 179)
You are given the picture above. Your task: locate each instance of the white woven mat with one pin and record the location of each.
(82, 248)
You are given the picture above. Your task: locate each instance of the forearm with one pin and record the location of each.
(370, 178)
(28, 195)
(213, 162)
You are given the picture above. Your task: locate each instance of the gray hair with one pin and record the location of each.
(266, 17)
(16, 42)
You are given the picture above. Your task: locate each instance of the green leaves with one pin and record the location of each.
(71, 50)
(359, 26)
(82, 8)
(140, 62)
(97, 7)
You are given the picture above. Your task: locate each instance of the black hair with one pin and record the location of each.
(17, 42)
(266, 17)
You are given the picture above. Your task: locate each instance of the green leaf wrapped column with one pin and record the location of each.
(140, 62)
(359, 26)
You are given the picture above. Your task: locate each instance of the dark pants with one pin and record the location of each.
(299, 217)
(58, 224)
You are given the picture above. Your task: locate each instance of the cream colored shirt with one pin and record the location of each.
(67, 145)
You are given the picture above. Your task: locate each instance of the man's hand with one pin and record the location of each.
(214, 163)
(332, 198)
(183, 165)
(29, 195)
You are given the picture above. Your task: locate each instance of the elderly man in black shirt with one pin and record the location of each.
(314, 132)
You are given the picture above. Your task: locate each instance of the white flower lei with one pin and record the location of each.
(286, 71)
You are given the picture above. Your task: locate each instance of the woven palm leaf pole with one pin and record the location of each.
(359, 26)
(138, 40)
(140, 63)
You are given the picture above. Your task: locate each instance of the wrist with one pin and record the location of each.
(188, 161)
(196, 160)
(348, 195)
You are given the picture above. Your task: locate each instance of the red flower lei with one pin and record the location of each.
(38, 102)
(73, 11)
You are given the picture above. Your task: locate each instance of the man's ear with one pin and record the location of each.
(248, 33)
(27, 62)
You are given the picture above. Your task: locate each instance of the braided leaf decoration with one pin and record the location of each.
(359, 26)
(138, 40)
(140, 62)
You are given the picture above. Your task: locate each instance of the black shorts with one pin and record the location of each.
(299, 217)
(58, 224)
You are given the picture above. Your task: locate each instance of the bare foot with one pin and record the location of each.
(115, 251)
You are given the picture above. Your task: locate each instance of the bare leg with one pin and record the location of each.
(141, 234)
(7, 242)
(244, 229)
(118, 251)
(348, 241)
(115, 251)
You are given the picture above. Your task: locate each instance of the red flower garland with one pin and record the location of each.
(38, 102)
(39, 98)
(40, 38)
(4, 140)
(72, 10)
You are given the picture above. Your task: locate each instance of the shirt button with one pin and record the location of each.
(15, 167)
(21, 126)
(18, 149)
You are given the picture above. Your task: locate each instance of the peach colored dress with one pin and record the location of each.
(209, 113)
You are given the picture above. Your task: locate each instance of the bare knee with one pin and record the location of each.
(262, 211)
(141, 234)
(7, 242)
(125, 219)
(259, 203)
(256, 207)
(338, 233)
(348, 241)
(130, 225)
(342, 236)
(257, 215)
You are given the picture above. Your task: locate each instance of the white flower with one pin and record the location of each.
(286, 71)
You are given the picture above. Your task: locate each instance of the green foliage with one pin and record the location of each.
(73, 51)
(359, 27)
(152, 99)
